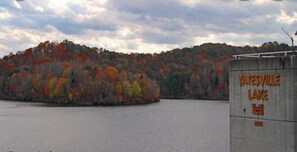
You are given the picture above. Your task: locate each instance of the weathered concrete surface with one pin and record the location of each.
(276, 129)
(274, 136)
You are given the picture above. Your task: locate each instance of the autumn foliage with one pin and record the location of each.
(66, 72)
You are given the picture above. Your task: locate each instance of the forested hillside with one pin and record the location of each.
(71, 73)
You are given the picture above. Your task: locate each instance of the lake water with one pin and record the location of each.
(168, 126)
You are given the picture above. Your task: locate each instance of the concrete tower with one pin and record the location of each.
(263, 102)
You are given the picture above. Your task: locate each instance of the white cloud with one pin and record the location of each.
(16, 4)
(284, 18)
(125, 31)
(4, 14)
(38, 8)
(59, 8)
(238, 39)
(24, 38)
(191, 3)
(3, 47)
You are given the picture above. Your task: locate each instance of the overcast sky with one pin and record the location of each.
(144, 25)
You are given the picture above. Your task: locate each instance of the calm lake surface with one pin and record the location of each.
(168, 126)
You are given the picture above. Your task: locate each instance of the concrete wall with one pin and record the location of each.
(274, 129)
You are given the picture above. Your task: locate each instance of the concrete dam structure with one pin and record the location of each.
(263, 102)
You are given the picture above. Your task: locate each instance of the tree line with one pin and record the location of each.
(66, 72)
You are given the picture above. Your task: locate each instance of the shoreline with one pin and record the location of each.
(79, 104)
(53, 104)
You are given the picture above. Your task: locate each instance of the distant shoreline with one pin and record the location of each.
(53, 104)
(79, 104)
(216, 99)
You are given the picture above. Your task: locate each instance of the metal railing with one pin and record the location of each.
(264, 54)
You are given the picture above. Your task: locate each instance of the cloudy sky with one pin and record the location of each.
(144, 25)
